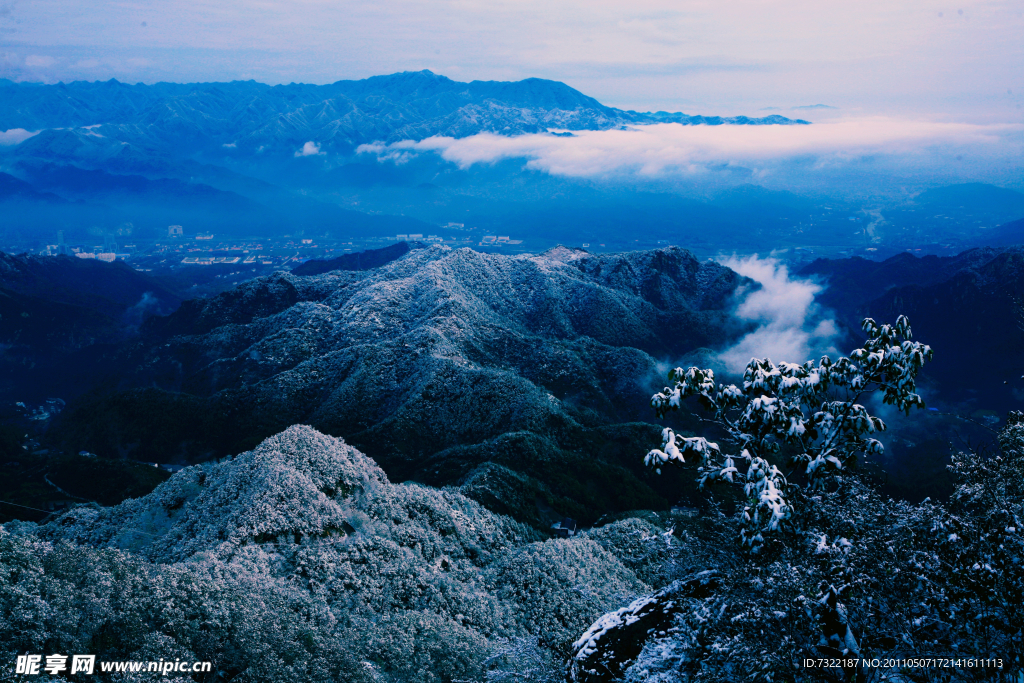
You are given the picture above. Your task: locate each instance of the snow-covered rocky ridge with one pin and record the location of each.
(299, 560)
(498, 374)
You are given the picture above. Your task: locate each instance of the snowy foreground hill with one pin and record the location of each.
(300, 561)
(525, 381)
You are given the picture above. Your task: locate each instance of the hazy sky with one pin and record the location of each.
(927, 58)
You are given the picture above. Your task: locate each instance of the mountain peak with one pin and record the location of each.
(195, 118)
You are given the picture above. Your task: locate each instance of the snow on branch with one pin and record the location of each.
(807, 416)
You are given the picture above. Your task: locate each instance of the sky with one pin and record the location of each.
(926, 59)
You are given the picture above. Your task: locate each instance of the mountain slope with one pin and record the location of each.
(855, 281)
(1007, 234)
(15, 189)
(109, 289)
(299, 560)
(976, 317)
(975, 198)
(449, 367)
(363, 260)
(297, 486)
(53, 309)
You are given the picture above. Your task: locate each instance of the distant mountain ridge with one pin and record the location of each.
(339, 116)
(77, 197)
(362, 260)
(16, 189)
(967, 307)
(1008, 234)
(240, 158)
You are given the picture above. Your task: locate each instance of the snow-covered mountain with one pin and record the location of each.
(516, 378)
(299, 560)
(250, 116)
(297, 486)
(246, 158)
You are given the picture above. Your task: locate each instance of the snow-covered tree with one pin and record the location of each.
(808, 417)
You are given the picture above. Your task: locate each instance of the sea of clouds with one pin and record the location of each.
(872, 145)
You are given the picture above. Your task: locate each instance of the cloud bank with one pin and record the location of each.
(675, 149)
(791, 327)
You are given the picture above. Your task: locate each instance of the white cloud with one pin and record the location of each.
(15, 136)
(672, 148)
(791, 327)
(309, 149)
